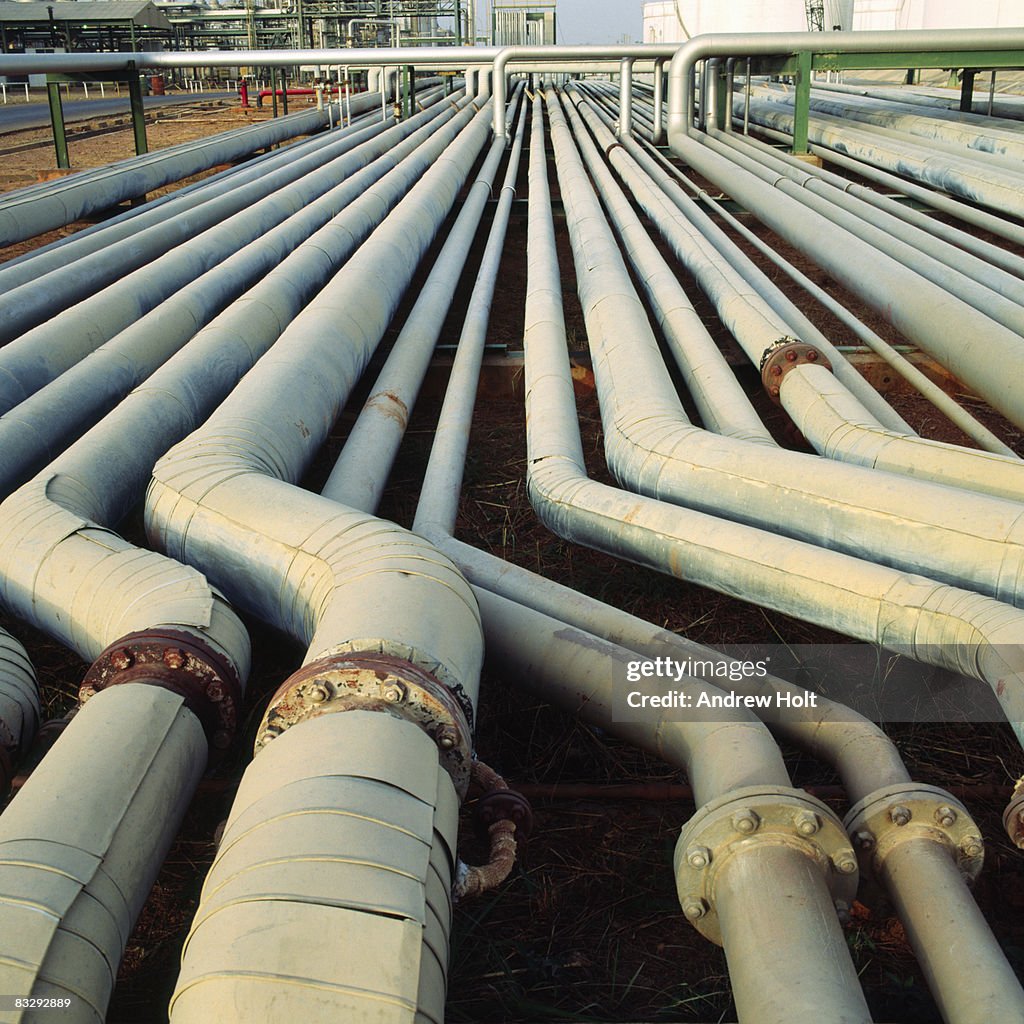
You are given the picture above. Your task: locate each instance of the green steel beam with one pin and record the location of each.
(789, 64)
(138, 112)
(60, 138)
(802, 103)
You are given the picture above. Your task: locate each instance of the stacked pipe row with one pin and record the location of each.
(331, 832)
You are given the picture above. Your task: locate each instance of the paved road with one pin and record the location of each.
(15, 116)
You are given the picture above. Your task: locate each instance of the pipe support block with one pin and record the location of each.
(900, 813)
(181, 663)
(372, 681)
(741, 823)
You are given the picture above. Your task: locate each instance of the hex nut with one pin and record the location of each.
(746, 821)
(945, 816)
(694, 908)
(845, 862)
(318, 693)
(899, 815)
(698, 856)
(807, 823)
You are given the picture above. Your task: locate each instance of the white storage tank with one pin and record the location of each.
(674, 21)
(886, 15)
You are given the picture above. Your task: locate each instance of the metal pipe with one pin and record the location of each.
(753, 44)
(353, 588)
(855, 597)
(970, 178)
(37, 291)
(658, 126)
(920, 310)
(20, 711)
(361, 471)
(24, 214)
(625, 129)
(568, 54)
(927, 388)
(371, 181)
(650, 444)
(809, 979)
(754, 308)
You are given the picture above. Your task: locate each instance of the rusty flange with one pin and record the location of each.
(785, 354)
(179, 662)
(892, 815)
(369, 680)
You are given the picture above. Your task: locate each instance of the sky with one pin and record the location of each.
(598, 21)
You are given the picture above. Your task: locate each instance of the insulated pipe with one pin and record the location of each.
(720, 400)
(569, 54)
(81, 844)
(988, 289)
(753, 44)
(650, 444)
(318, 237)
(969, 131)
(808, 978)
(971, 345)
(25, 215)
(941, 202)
(294, 570)
(35, 292)
(68, 338)
(442, 479)
(933, 622)
(20, 710)
(625, 98)
(973, 178)
(946, 405)
(755, 310)
(361, 471)
(106, 233)
(344, 830)
(345, 583)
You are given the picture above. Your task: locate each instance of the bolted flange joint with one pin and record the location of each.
(180, 662)
(371, 681)
(913, 811)
(783, 356)
(739, 823)
(1013, 816)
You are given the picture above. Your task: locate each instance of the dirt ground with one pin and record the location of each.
(589, 926)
